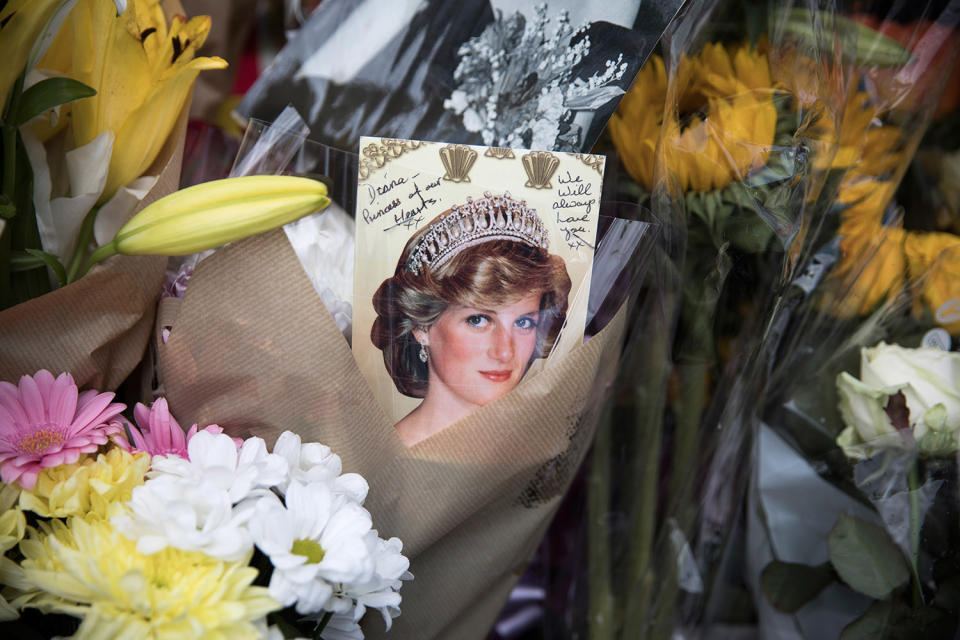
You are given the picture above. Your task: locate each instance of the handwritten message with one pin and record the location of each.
(406, 201)
(573, 207)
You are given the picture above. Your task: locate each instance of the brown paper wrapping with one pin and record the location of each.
(253, 349)
(97, 327)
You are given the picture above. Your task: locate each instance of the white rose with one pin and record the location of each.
(929, 380)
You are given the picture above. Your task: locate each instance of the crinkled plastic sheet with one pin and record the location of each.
(784, 135)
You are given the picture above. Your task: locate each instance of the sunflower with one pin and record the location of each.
(726, 124)
(872, 268)
(933, 260)
(85, 568)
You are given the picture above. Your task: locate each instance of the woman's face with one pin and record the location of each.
(477, 355)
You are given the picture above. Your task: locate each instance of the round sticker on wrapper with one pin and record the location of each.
(937, 338)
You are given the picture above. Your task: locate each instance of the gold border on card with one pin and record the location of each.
(500, 153)
(592, 161)
(374, 156)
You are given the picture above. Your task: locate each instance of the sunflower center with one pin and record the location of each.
(39, 441)
(309, 549)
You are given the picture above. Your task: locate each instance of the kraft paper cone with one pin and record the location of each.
(97, 327)
(253, 349)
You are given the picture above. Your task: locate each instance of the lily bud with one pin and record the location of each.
(214, 213)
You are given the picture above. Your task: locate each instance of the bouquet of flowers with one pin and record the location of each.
(827, 513)
(769, 135)
(95, 105)
(139, 529)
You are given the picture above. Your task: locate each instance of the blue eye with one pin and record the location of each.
(525, 323)
(478, 320)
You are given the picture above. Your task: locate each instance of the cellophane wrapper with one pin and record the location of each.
(773, 139)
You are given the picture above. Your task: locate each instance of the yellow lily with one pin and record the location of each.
(143, 73)
(21, 21)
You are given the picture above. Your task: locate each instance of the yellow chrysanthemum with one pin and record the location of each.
(934, 263)
(87, 569)
(87, 486)
(13, 525)
(727, 119)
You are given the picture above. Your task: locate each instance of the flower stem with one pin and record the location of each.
(8, 138)
(913, 485)
(99, 255)
(83, 240)
(322, 625)
(641, 583)
(601, 619)
(10, 141)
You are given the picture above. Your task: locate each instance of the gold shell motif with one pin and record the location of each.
(540, 167)
(457, 159)
(500, 153)
(592, 161)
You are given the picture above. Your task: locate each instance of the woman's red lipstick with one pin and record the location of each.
(497, 376)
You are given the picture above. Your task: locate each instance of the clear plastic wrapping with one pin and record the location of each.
(783, 136)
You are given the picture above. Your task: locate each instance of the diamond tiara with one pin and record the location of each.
(488, 218)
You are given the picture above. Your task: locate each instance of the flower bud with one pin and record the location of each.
(214, 213)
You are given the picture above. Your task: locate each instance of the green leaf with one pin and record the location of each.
(866, 558)
(815, 31)
(870, 625)
(748, 233)
(47, 94)
(896, 620)
(51, 261)
(7, 208)
(790, 585)
(23, 261)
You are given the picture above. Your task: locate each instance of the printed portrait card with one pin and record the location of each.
(472, 272)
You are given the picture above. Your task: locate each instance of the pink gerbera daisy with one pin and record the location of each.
(44, 423)
(160, 434)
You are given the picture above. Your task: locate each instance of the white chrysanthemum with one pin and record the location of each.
(214, 458)
(314, 462)
(171, 511)
(381, 590)
(341, 627)
(314, 543)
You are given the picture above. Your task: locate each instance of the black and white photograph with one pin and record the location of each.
(503, 73)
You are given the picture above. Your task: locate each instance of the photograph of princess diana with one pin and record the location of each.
(472, 274)
(476, 297)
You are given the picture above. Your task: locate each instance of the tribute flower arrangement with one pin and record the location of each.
(193, 533)
(790, 256)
